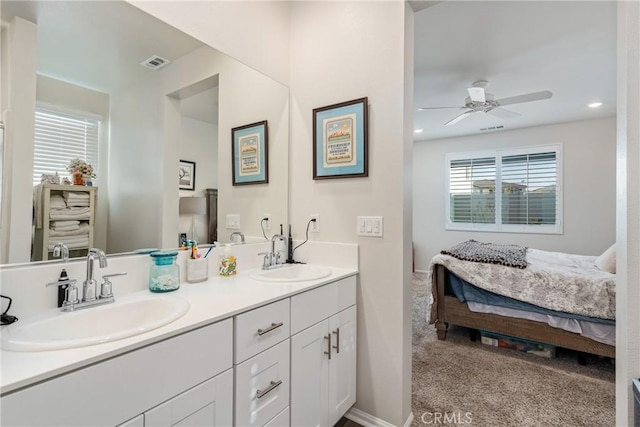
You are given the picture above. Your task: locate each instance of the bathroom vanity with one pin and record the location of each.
(246, 353)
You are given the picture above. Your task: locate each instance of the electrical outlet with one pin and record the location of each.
(315, 225)
(267, 223)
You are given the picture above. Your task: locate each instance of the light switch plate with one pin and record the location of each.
(370, 226)
(233, 222)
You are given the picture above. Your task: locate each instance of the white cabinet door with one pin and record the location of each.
(207, 404)
(310, 376)
(342, 366)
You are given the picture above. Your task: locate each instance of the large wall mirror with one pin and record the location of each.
(84, 58)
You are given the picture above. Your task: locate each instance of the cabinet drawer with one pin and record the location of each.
(309, 308)
(259, 329)
(265, 375)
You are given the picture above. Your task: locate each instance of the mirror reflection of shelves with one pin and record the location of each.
(63, 214)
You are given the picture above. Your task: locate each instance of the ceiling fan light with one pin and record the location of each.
(595, 105)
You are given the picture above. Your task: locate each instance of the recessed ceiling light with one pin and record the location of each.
(595, 105)
(418, 131)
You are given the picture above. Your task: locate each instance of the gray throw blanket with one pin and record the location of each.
(492, 253)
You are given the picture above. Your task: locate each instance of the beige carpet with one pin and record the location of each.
(459, 382)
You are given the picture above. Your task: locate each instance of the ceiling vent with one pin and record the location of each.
(155, 62)
(492, 128)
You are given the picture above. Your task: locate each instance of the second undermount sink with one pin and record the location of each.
(291, 273)
(57, 330)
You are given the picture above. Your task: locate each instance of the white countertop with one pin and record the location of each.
(210, 301)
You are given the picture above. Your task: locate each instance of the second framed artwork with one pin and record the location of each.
(340, 141)
(250, 154)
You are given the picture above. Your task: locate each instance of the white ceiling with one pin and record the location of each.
(100, 44)
(519, 47)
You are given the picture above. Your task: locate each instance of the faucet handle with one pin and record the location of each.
(106, 289)
(266, 263)
(70, 294)
(70, 282)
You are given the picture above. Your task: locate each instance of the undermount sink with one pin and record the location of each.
(58, 330)
(291, 273)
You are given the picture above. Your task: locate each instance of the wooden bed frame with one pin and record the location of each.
(452, 312)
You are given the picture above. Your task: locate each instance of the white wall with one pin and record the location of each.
(81, 99)
(135, 175)
(245, 96)
(342, 51)
(589, 188)
(628, 210)
(255, 33)
(19, 115)
(199, 143)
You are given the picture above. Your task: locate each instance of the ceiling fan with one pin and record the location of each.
(481, 101)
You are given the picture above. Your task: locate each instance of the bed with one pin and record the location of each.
(567, 289)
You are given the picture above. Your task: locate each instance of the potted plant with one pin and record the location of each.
(80, 171)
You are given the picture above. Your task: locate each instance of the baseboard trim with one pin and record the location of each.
(368, 420)
(421, 271)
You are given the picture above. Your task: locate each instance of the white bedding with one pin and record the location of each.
(557, 281)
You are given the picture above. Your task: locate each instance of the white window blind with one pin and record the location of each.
(529, 189)
(505, 190)
(60, 137)
(472, 185)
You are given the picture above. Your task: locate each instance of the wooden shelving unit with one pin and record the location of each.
(42, 236)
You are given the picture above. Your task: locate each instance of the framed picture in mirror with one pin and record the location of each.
(340, 141)
(187, 175)
(249, 152)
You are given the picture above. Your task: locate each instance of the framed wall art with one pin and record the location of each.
(249, 152)
(187, 175)
(340, 142)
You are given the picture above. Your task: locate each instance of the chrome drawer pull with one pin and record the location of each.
(273, 385)
(337, 346)
(328, 352)
(270, 328)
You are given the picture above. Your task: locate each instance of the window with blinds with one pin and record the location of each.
(505, 190)
(60, 137)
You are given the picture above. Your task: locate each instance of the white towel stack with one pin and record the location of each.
(76, 198)
(72, 242)
(73, 213)
(74, 234)
(56, 201)
(64, 225)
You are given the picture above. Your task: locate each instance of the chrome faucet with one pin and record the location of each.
(237, 233)
(89, 294)
(61, 250)
(272, 259)
(90, 284)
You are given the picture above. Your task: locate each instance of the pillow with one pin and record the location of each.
(607, 261)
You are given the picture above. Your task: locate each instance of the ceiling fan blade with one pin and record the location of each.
(535, 96)
(504, 114)
(476, 94)
(458, 118)
(439, 108)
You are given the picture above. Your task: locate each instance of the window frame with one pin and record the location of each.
(498, 226)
